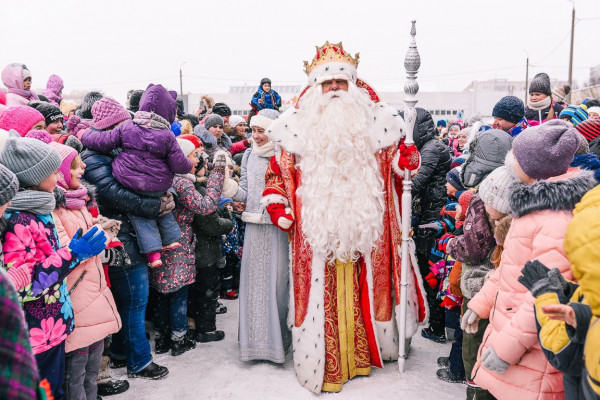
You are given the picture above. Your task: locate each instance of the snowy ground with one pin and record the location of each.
(213, 371)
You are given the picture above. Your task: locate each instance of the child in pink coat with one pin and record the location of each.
(510, 363)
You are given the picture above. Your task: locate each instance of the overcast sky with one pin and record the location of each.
(116, 45)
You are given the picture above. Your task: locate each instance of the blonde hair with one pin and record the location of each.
(186, 127)
(76, 161)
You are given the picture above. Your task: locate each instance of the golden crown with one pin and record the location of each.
(328, 53)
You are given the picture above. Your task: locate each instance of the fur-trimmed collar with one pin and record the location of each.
(387, 129)
(61, 200)
(558, 195)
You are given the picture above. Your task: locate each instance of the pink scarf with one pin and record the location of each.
(76, 198)
(28, 94)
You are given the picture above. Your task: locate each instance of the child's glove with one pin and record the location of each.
(430, 230)
(281, 216)
(220, 159)
(88, 245)
(117, 256)
(432, 280)
(492, 362)
(538, 279)
(167, 204)
(444, 240)
(470, 321)
(20, 275)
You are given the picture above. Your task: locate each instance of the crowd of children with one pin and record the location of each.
(511, 255)
(113, 216)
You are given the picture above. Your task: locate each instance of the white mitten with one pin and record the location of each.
(284, 222)
(470, 321)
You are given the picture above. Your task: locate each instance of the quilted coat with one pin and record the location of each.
(542, 212)
(96, 314)
(178, 268)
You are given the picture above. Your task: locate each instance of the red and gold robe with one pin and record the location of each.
(342, 313)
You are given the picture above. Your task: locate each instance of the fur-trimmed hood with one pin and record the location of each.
(561, 193)
(61, 200)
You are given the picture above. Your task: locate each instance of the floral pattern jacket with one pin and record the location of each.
(178, 268)
(31, 241)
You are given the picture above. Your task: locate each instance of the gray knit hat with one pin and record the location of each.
(212, 120)
(541, 84)
(9, 184)
(546, 150)
(495, 189)
(31, 160)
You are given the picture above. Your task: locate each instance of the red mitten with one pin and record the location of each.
(277, 211)
(448, 303)
(409, 157)
(431, 280)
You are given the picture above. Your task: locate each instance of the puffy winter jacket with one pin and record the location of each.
(208, 230)
(429, 185)
(178, 264)
(116, 201)
(149, 159)
(477, 241)
(96, 314)
(542, 212)
(582, 244)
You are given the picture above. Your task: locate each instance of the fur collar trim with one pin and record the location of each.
(557, 195)
(387, 129)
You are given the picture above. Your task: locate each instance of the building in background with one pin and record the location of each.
(479, 97)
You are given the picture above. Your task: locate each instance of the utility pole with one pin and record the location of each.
(571, 56)
(181, 80)
(526, 78)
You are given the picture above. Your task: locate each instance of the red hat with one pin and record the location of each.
(464, 200)
(192, 138)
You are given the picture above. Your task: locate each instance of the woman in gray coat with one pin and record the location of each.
(264, 290)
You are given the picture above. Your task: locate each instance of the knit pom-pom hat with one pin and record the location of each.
(20, 118)
(108, 112)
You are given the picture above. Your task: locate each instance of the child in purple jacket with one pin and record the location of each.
(147, 163)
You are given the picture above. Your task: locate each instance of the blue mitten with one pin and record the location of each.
(88, 245)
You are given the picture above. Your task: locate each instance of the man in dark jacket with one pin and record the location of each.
(204, 292)
(129, 285)
(429, 195)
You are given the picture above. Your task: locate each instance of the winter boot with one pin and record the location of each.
(116, 363)
(205, 337)
(428, 333)
(221, 309)
(112, 387)
(107, 386)
(162, 343)
(229, 294)
(474, 393)
(181, 345)
(152, 371)
(443, 362)
(448, 376)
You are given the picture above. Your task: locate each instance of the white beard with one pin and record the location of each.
(341, 189)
